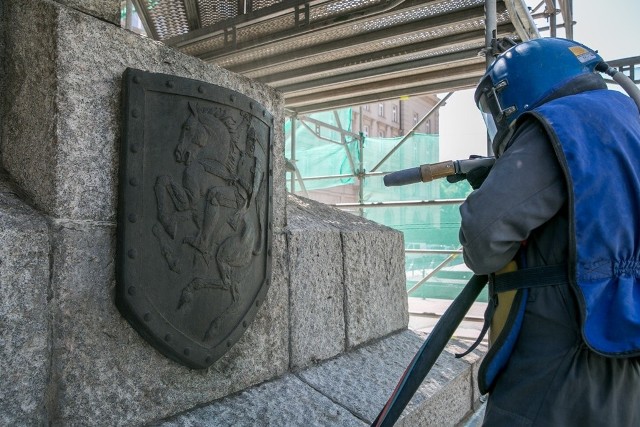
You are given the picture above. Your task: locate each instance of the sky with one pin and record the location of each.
(608, 26)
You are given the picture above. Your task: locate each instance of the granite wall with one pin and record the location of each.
(68, 356)
(108, 10)
(60, 144)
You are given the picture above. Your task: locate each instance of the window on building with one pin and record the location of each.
(380, 134)
(365, 130)
(367, 107)
(427, 126)
(381, 109)
(394, 114)
(415, 118)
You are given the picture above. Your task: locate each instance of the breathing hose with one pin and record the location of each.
(625, 82)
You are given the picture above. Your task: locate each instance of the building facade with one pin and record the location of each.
(393, 118)
(384, 119)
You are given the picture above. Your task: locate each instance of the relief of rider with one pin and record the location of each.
(251, 170)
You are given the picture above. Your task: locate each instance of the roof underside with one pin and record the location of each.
(328, 54)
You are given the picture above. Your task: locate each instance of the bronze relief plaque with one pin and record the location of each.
(194, 214)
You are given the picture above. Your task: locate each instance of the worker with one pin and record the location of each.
(555, 223)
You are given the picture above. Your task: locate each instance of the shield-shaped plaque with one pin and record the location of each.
(194, 214)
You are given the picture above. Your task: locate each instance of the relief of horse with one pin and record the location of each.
(219, 186)
(204, 150)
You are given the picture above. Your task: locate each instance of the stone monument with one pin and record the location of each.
(336, 297)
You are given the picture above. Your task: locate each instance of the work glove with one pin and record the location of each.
(475, 177)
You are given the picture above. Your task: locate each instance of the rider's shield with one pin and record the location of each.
(194, 214)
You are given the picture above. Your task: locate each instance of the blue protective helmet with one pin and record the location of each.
(523, 77)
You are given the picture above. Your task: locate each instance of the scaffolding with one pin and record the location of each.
(324, 152)
(330, 54)
(327, 56)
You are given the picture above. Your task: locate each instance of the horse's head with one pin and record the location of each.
(205, 135)
(193, 137)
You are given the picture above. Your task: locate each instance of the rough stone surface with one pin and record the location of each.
(60, 142)
(108, 10)
(65, 73)
(350, 390)
(477, 359)
(28, 122)
(367, 375)
(317, 292)
(3, 75)
(375, 285)
(448, 391)
(346, 272)
(106, 374)
(285, 402)
(25, 346)
(362, 381)
(376, 300)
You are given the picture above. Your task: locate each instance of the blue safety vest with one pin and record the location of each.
(596, 136)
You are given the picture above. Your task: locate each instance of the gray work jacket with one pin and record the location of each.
(521, 199)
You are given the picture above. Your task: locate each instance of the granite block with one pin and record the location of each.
(475, 358)
(362, 381)
(448, 399)
(25, 346)
(346, 272)
(451, 395)
(317, 295)
(107, 374)
(307, 213)
(28, 122)
(376, 302)
(287, 402)
(349, 390)
(108, 10)
(3, 77)
(375, 284)
(61, 135)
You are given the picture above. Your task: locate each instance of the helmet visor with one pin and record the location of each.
(489, 106)
(492, 129)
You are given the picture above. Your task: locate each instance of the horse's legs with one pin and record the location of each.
(217, 321)
(166, 248)
(198, 284)
(165, 214)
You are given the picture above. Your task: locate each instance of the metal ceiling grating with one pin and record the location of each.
(167, 18)
(383, 49)
(324, 53)
(213, 12)
(357, 38)
(297, 17)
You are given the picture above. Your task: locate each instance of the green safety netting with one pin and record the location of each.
(321, 151)
(327, 153)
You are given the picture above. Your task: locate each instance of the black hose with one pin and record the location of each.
(426, 357)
